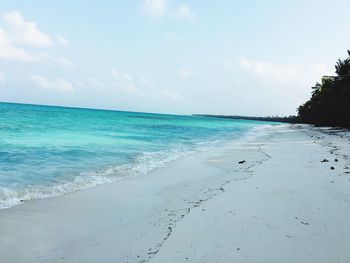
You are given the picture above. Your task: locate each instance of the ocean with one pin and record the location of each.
(47, 151)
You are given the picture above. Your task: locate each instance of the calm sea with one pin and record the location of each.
(47, 151)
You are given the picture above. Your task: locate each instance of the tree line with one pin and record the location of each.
(329, 104)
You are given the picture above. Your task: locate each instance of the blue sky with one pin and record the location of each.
(222, 57)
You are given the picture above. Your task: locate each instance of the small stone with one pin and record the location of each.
(241, 162)
(324, 161)
(336, 160)
(332, 168)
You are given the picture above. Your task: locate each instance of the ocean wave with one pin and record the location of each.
(141, 165)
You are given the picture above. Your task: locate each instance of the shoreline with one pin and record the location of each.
(200, 208)
(141, 166)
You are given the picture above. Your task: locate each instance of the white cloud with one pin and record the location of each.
(184, 12)
(25, 32)
(184, 73)
(125, 81)
(155, 8)
(268, 70)
(289, 83)
(92, 83)
(158, 9)
(11, 52)
(62, 41)
(142, 87)
(43, 57)
(284, 73)
(2, 77)
(57, 84)
(8, 51)
(170, 94)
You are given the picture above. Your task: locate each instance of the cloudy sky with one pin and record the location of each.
(169, 56)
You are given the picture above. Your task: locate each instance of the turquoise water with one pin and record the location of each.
(47, 151)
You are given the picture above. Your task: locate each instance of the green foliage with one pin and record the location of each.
(342, 68)
(329, 104)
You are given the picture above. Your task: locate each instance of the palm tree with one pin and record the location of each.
(316, 89)
(330, 101)
(342, 68)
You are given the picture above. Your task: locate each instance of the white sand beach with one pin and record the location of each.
(283, 204)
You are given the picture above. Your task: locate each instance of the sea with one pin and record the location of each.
(47, 151)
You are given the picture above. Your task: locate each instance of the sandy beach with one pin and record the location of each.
(287, 201)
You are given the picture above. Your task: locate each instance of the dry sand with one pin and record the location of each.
(281, 205)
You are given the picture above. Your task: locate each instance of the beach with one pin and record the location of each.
(273, 197)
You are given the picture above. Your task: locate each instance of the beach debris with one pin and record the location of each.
(332, 168)
(241, 162)
(324, 161)
(304, 223)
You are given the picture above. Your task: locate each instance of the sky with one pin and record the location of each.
(217, 57)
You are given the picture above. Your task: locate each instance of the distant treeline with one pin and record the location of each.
(329, 104)
(289, 119)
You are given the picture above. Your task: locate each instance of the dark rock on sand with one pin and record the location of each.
(241, 162)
